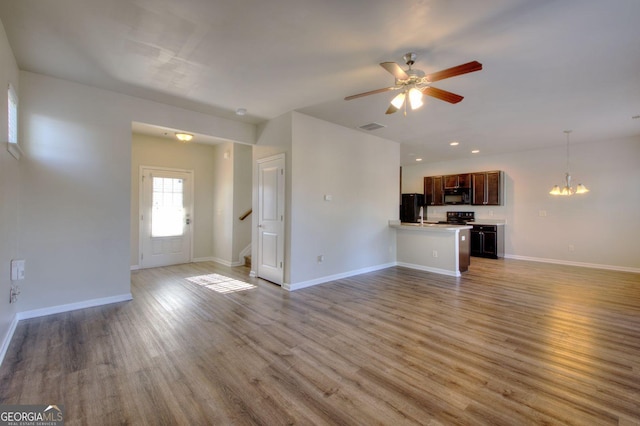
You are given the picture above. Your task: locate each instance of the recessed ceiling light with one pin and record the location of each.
(418, 159)
(475, 151)
(241, 111)
(454, 143)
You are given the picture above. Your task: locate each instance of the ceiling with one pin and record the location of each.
(548, 65)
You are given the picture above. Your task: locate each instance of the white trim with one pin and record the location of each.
(15, 150)
(571, 263)
(73, 306)
(134, 267)
(244, 252)
(322, 280)
(226, 262)
(7, 338)
(430, 269)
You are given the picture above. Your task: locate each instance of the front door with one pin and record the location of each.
(165, 219)
(271, 180)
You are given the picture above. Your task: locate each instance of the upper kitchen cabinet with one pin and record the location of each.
(487, 188)
(433, 193)
(457, 181)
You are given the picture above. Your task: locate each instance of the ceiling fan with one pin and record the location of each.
(414, 83)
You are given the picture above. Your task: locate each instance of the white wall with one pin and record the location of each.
(9, 195)
(158, 152)
(274, 137)
(601, 225)
(232, 197)
(223, 204)
(242, 187)
(76, 186)
(360, 173)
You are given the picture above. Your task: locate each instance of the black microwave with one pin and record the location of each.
(457, 196)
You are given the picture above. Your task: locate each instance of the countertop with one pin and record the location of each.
(499, 222)
(428, 227)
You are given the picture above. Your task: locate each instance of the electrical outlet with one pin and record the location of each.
(13, 294)
(571, 247)
(320, 258)
(542, 213)
(434, 253)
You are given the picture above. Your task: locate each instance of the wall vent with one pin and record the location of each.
(371, 126)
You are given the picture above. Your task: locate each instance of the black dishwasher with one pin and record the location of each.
(485, 241)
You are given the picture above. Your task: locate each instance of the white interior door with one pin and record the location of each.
(271, 205)
(165, 217)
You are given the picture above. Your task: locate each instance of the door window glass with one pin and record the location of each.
(167, 212)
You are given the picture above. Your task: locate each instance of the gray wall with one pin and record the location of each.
(9, 195)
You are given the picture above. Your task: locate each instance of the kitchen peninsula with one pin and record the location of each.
(439, 248)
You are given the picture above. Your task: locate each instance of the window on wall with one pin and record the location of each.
(12, 121)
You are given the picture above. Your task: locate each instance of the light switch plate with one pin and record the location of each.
(17, 269)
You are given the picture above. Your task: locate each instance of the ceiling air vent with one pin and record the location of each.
(371, 126)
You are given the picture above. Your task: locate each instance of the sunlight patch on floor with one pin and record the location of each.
(220, 283)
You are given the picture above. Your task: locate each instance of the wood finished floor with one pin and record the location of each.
(509, 343)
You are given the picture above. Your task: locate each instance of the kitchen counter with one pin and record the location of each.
(439, 248)
(430, 227)
(499, 222)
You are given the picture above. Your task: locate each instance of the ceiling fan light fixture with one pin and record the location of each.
(398, 101)
(415, 98)
(184, 137)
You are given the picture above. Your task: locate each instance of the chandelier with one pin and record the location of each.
(567, 189)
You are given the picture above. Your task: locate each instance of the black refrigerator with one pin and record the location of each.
(410, 208)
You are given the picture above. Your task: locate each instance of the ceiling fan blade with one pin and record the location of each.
(442, 95)
(454, 71)
(373, 92)
(395, 70)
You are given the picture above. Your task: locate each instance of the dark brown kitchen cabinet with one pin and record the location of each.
(487, 189)
(457, 181)
(433, 193)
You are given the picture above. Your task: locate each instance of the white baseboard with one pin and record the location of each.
(73, 306)
(134, 267)
(203, 259)
(225, 262)
(322, 280)
(570, 263)
(7, 338)
(430, 269)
